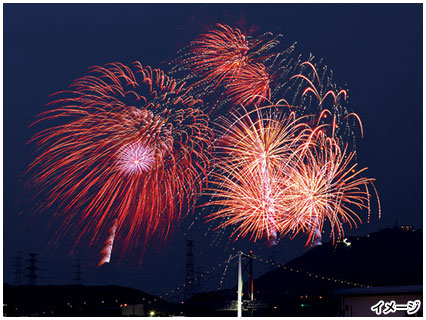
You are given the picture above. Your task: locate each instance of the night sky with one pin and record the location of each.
(374, 50)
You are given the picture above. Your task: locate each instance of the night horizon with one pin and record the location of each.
(373, 53)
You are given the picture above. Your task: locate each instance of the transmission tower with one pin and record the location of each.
(77, 272)
(189, 271)
(18, 269)
(32, 269)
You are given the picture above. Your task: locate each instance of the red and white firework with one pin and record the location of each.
(132, 147)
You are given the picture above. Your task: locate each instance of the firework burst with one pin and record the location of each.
(226, 57)
(250, 86)
(276, 174)
(246, 182)
(220, 53)
(132, 147)
(323, 184)
(135, 158)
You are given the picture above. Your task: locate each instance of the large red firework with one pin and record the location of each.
(227, 56)
(130, 153)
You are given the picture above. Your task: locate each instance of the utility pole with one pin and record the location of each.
(77, 272)
(32, 269)
(189, 271)
(240, 288)
(245, 266)
(18, 269)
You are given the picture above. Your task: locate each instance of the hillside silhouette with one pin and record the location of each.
(306, 286)
(390, 257)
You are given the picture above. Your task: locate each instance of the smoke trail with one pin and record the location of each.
(106, 251)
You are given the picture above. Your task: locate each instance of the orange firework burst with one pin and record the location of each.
(276, 174)
(131, 152)
(323, 185)
(247, 183)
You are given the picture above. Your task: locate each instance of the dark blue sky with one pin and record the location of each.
(374, 50)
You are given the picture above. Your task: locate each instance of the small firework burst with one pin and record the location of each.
(136, 159)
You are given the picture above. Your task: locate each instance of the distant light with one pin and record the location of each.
(152, 313)
(346, 242)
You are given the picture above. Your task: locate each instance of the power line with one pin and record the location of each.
(173, 293)
(203, 276)
(311, 274)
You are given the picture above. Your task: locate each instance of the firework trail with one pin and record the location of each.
(107, 250)
(131, 146)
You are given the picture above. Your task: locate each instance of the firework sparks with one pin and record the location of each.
(220, 54)
(324, 185)
(133, 147)
(247, 181)
(250, 86)
(277, 174)
(226, 56)
(136, 159)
